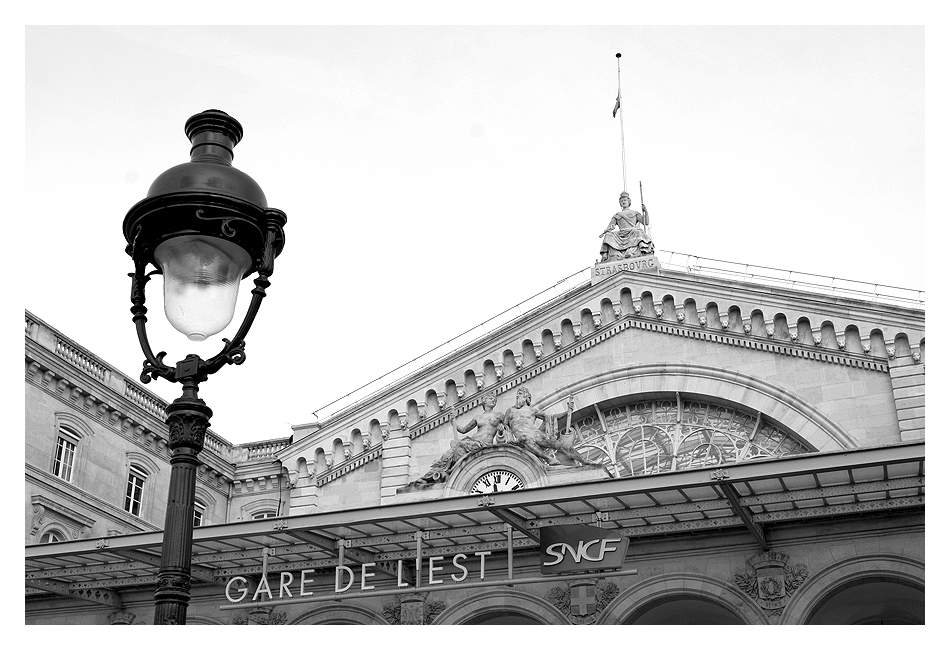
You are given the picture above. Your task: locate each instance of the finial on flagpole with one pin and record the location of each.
(618, 55)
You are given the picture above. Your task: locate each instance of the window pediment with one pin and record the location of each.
(47, 513)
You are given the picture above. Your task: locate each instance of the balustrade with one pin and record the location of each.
(79, 359)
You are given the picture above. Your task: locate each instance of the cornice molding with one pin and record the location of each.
(837, 306)
(100, 404)
(79, 497)
(358, 461)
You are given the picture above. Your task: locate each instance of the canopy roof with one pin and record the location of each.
(751, 495)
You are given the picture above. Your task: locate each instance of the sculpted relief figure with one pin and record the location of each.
(522, 417)
(489, 430)
(516, 426)
(626, 235)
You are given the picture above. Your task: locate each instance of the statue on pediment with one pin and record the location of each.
(522, 418)
(627, 235)
(489, 430)
(489, 425)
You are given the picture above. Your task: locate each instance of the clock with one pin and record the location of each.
(497, 480)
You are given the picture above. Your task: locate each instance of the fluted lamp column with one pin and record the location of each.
(204, 226)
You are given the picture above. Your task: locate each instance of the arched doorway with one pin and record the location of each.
(683, 610)
(871, 601)
(504, 606)
(503, 617)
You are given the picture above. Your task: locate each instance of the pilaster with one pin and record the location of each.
(907, 379)
(397, 448)
(303, 500)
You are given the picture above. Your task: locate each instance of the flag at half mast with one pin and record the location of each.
(617, 105)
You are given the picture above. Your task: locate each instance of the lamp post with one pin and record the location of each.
(204, 226)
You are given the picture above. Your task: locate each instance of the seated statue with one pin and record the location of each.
(490, 430)
(630, 239)
(521, 419)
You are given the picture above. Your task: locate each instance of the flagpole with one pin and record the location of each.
(623, 152)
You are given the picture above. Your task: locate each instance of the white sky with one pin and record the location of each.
(434, 177)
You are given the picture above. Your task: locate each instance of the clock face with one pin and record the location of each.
(497, 480)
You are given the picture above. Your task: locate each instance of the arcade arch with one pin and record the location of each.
(868, 589)
(874, 600)
(661, 599)
(507, 607)
(338, 614)
(683, 610)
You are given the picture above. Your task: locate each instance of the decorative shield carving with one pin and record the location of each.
(584, 599)
(771, 581)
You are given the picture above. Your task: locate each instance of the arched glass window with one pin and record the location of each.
(52, 536)
(665, 435)
(264, 514)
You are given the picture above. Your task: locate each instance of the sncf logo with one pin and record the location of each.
(580, 548)
(601, 546)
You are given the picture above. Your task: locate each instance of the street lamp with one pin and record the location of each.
(204, 226)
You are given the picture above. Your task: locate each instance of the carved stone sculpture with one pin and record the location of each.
(771, 581)
(584, 599)
(490, 430)
(412, 610)
(521, 419)
(626, 235)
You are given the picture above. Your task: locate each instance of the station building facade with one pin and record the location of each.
(753, 453)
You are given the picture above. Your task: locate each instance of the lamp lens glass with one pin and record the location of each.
(201, 276)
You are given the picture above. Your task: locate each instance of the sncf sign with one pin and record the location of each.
(581, 548)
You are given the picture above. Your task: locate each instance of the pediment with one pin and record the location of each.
(634, 307)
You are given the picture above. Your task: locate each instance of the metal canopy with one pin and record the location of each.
(752, 495)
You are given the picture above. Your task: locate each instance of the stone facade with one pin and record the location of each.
(114, 423)
(638, 354)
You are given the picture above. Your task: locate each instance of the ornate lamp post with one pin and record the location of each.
(204, 226)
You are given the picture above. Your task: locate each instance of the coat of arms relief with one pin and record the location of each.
(584, 599)
(771, 582)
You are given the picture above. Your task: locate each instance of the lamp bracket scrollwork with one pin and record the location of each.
(233, 351)
(226, 229)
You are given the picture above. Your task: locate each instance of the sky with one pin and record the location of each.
(434, 177)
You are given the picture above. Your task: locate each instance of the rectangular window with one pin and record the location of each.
(199, 514)
(133, 493)
(65, 452)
